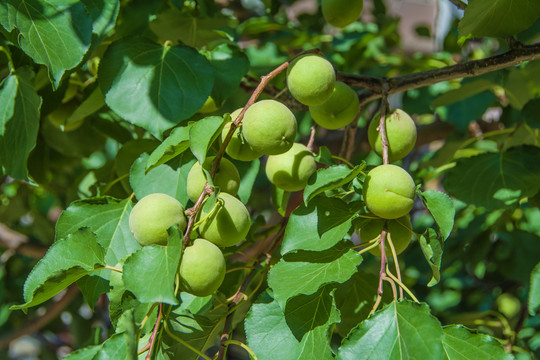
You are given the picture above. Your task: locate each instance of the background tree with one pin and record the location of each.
(103, 103)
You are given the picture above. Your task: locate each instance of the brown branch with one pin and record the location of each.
(382, 128)
(51, 313)
(192, 212)
(152, 339)
(459, 4)
(425, 78)
(16, 242)
(311, 142)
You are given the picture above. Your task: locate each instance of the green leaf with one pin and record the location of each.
(166, 84)
(89, 106)
(267, 332)
(522, 84)
(442, 209)
(466, 90)
(280, 200)
(66, 261)
(534, 291)
(118, 346)
(103, 13)
(161, 179)
(150, 272)
(175, 144)
(92, 287)
(202, 134)
(319, 225)
(20, 123)
(108, 218)
(55, 34)
(432, 247)
(330, 178)
(498, 18)
(401, 330)
(461, 343)
(304, 272)
(515, 169)
(230, 65)
(248, 171)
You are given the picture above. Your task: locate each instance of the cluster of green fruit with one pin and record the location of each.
(389, 190)
(312, 81)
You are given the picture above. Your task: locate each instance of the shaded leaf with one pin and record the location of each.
(248, 171)
(330, 178)
(230, 65)
(103, 13)
(166, 84)
(441, 208)
(461, 343)
(92, 287)
(432, 247)
(466, 90)
(202, 134)
(534, 291)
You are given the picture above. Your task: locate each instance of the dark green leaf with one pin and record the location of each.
(103, 13)
(442, 209)
(175, 144)
(154, 86)
(89, 106)
(202, 134)
(92, 287)
(20, 129)
(320, 225)
(466, 90)
(248, 174)
(498, 18)
(330, 178)
(530, 113)
(66, 261)
(522, 84)
(55, 34)
(461, 343)
(534, 291)
(150, 272)
(401, 330)
(432, 247)
(304, 272)
(230, 65)
(477, 179)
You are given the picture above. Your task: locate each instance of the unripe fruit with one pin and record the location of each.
(208, 106)
(339, 110)
(341, 13)
(227, 178)
(269, 127)
(228, 224)
(238, 148)
(202, 269)
(291, 170)
(60, 116)
(153, 215)
(508, 305)
(389, 191)
(400, 132)
(311, 79)
(399, 231)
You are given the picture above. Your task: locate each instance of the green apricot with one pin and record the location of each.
(227, 178)
(389, 191)
(202, 269)
(227, 224)
(341, 13)
(269, 127)
(508, 305)
(339, 110)
(400, 132)
(291, 170)
(238, 148)
(311, 79)
(399, 231)
(153, 215)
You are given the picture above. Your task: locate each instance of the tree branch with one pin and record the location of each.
(425, 78)
(459, 4)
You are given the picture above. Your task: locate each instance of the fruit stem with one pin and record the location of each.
(185, 343)
(243, 346)
(382, 271)
(401, 285)
(396, 264)
(152, 339)
(311, 142)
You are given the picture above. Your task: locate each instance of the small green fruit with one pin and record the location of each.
(238, 148)
(202, 269)
(269, 127)
(339, 110)
(291, 170)
(228, 224)
(209, 106)
(399, 231)
(341, 13)
(508, 305)
(389, 191)
(400, 131)
(153, 215)
(227, 178)
(311, 79)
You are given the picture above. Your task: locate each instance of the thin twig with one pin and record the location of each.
(192, 212)
(393, 285)
(459, 3)
(311, 142)
(152, 339)
(243, 346)
(401, 285)
(396, 264)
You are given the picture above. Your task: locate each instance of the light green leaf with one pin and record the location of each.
(230, 65)
(304, 272)
(330, 178)
(118, 346)
(319, 225)
(56, 34)
(202, 134)
(461, 343)
(401, 330)
(516, 169)
(432, 247)
(166, 84)
(498, 18)
(280, 200)
(175, 144)
(150, 272)
(442, 209)
(108, 218)
(66, 261)
(534, 291)
(8, 92)
(21, 128)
